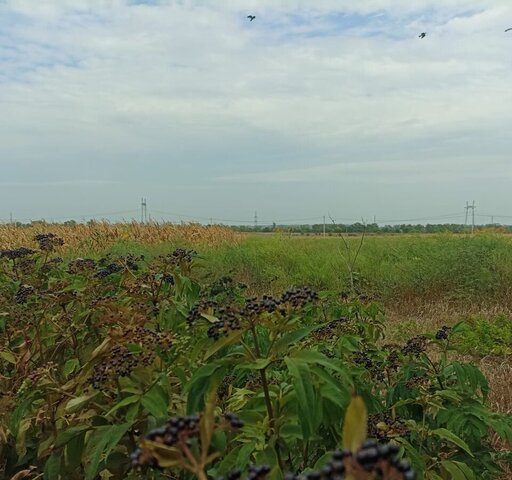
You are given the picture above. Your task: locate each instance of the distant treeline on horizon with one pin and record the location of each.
(358, 227)
(309, 229)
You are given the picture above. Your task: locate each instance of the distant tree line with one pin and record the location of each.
(358, 227)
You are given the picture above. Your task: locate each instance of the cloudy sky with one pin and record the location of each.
(316, 107)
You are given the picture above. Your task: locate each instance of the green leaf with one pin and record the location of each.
(76, 404)
(8, 356)
(199, 385)
(70, 366)
(355, 424)
(101, 443)
(293, 337)
(52, 467)
(454, 470)
(21, 448)
(307, 405)
(67, 435)
(74, 451)
(125, 401)
(259, 364)
(451, 437)
(156, 402)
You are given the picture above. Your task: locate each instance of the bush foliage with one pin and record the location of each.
(97, 353)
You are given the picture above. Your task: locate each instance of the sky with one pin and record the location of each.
(317, 107)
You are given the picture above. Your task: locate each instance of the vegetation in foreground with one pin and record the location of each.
(97, 353)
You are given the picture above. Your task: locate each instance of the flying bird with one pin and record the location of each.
(422, 35)
(251, 17)
(508, 29)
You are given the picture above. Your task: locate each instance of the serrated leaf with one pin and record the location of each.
(451, 437)
(355, 424)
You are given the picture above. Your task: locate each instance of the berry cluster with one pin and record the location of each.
(120, 363)
(223, 284)
(130, 261)
(223, 327)
(148, 338)
(417, 381)
(26, 265)
(361, 358)
(442, 333)
(298, 297)
(331, 328)
(383, 426)
(178, 431)
(228, 322)
(16, 253)
(266, 304)
(204, 306)
(51, 263)
(81, 265)
(24, 291)
(233, 420)
(415, 346)
(181, 256)
(231, 475)
(110, 269)
(42, 371)
(223, 388)
(48, 241)
(378, 460)
(168, 279)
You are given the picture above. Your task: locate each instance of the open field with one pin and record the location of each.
(99, 350)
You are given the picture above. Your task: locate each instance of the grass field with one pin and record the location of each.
(106, 331)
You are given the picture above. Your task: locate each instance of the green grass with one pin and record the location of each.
(462, 271)
(414, 268)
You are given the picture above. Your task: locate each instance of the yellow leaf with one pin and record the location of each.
(207, 424)
(355, 425)
(167, 457)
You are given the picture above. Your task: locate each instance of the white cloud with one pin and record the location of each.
(190, 91)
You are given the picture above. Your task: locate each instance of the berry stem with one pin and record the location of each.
(268, 400)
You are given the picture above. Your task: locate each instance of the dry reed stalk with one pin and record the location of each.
(97, 236)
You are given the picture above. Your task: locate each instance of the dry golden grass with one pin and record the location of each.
(100, 235)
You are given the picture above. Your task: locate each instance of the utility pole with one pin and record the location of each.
(255, 220)
(467, 208)
(324, 226)
(143, 211)
(10, 218)
(473, 217)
